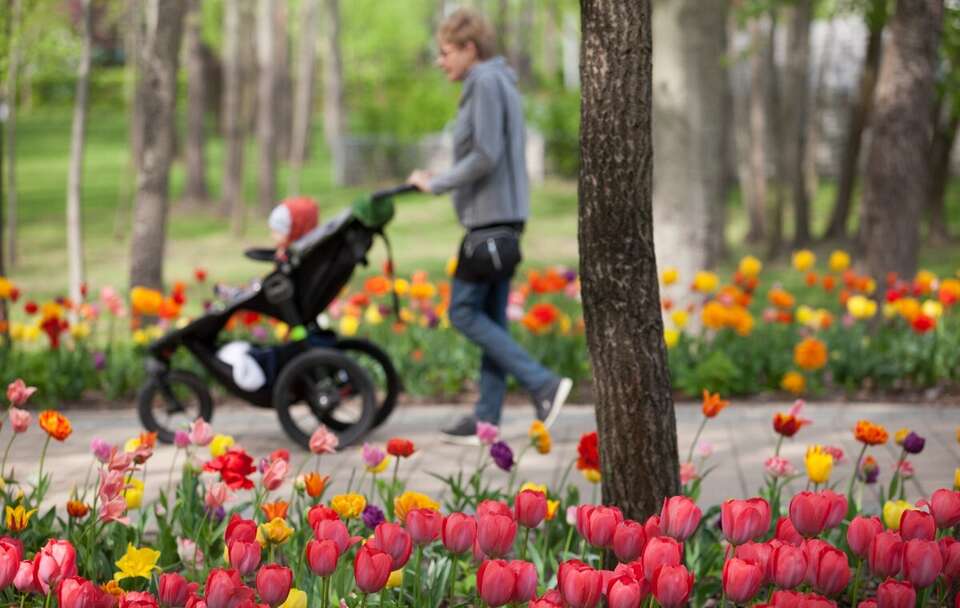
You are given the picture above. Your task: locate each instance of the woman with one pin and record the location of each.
(491, 198)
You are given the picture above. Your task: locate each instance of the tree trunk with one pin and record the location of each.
(797, 95)
(550, 51)
(690, 81)
(522, 55)
(266, 110)
(897, 175)
(132, 38)
(78, 138)
(157, 98)
(194, 152)
(944, 137)
(234, 128)
(818, 101)
(621, 299)
(283, 100)
(860, 112)
(777, 136)
(303, 101)
(502, 24)
(334, 112)
(10, 128)
(756, 195)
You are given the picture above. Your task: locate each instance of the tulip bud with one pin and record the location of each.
(922, 562)
(679, 517)
(833, 571)
(628, 541)
(173, 589)
(744, 520)
(788, 566)
(860, 534)
(885, 556)
(660, 551)
(756, 553)
(741, 580)
(424, 525)
(531, 508)
(273, 583)
(580, 585)
(896, 594)
(244, 556)
(335, 530)
(526, 581)
(624, 591)
(671, 585)
(496, 582)
(396, 542)
(597, 524)
(495, 534)
(785, 532)
(371, 568)
(459, 532)
(837, 510)
(950, 551)
(917, 524)
(945, 507)
(809, 513)
(322, 557)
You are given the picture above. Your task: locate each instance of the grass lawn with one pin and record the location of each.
(424, 234)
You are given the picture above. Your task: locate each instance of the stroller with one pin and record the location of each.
(349, 385)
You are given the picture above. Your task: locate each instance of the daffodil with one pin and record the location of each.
(137, 563)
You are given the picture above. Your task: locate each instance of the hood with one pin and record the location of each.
(497, 65)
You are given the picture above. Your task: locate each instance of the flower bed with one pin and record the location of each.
(228, 532)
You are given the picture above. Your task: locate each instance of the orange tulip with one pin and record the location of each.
(713, 404)
(870, 433)
(315, 484)
(77, 508)
(810, 354)
(273, 510)
(55, 424)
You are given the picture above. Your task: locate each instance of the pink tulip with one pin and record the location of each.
(945, 506)
(372, 455)
(322, 557)
(885, 556)
(811, 550)
(224, 588)
(671, 585)
(744, 520)
(113, 510)
(551, 599)
(660, 551)
(77, 592)
(57, 560)
(372, 568)
(861, 532)
(424, 525)
(580, 585)
(917, 524)
(25, 581)
(181, 439)
(493, 507)
(526, 581)
(395, 541)
(679, 517)
(788, 566)
(838, 508)
(950, 551)
(19, 420)
(323, 441)
(273, 476)
(239, 528)
(273, 584)
(244, 556)
(495, 534)
(628, 540)
(896, 594)
(624, 591)
(809, 513)
(138, 599)
(833, 571)
(201, 433)
(741, 580)
(119, 460)
(496, 582)
(756, 553)
(336, 530)
(531, 508)
(870, 603)
(786, 533)
(922, 562)
(597, 524)
(9, 563)
(487, 433)
(18, 392)
(100, 449)
(173, 590)
(458, 533)
(217, 494)
(652, 527)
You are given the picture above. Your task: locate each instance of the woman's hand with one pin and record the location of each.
(420, 179)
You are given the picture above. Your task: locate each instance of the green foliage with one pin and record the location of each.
(556, 114)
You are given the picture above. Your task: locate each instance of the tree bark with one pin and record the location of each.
(818, 101)
(234, 128)
(10, 128)
(797, 110)
(550, 52)
(303, 101)
(132, 38)
(944, 137)
(283, 100)
(266, 100)
(897, 176)
(334, 111)
(774, 96)
(522, 55)
(860, 112)
(78, 138)
(621, 299)
(502, 21)
(195, 150)
(157, 98)
(756, 195)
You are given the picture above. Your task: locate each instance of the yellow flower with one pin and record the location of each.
(925, 280)
(540, 437)
(958, 434)
(380, 468)
(750, 266)
(552, 506)
(220, 445)
(131, 445)
(536, 487)
(591, 475)
(793, 382)
(18, 518)
(137, 563)
(280, 331)
(406, 315)
(909, 308)
(401, 287)
(804, 260)
(671, 337)
(839, 261)
(396, 579)
(705, 282)
(6, 288)
(372, 315)
(451, 266)
(890, 310)
(348, 506)
(80, 330)
(349, 325)
(893, 511)
(679, 318)
(956, 479)
(670, 275)
(932, 308)
(819, 464)
(409, 501)
(140, 337)
(900, 435)
(16, 331)
(133, 494)
(51, 310)
(861, 307)
(295, 599)
(806, 315)
(275, 532)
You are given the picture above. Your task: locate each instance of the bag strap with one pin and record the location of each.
(393, 291)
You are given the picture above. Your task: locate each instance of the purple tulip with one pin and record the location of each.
(372, 516)
(913, 443)
(502, 455)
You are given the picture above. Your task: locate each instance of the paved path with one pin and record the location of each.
(742, 436)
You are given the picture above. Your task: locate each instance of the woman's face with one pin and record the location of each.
(456, 61)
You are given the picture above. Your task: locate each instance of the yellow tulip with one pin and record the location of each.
(591, 475)
(18, 518)
(372, 315)
(705, 282)
(137, 563)
(552, 507)
(401, 287)
(536, 487)
(295, 599)
(819, 464)
(679, 318)
(348, 506)
(900, 435)
(220, 445)
(893, 511)
(140, 337)
(409, 501)
(804, 260)
(671, 337)
(131, 445)
(839, 261)
(276, 532)
(133, 494)
(349, 325)
(861, 307)
(396, 579)
(80, 330)
(806, 315)
(932, 308)
(750, 266)
(540, 437)
(280, 331)
(670, 275)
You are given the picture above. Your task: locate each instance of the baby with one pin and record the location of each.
(290, 220)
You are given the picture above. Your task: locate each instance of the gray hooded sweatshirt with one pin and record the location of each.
(489, 174)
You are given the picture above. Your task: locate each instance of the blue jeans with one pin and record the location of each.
(479, 312)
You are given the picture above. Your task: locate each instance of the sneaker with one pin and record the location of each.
(462, 432)
(548, 406)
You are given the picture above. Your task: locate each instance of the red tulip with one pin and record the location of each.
(597, 524)
(173, 589)
(652, 527)
(922, 562)
(320, 513)
(526, 581)
(495, 534)
(628, 540)
(838, 508)
(9, 563)
(744, 520)
(224, 588)
(786, 533)
(671, 585)
(624, 591)
(395, 541)
(240, 529)
(680, 517)
(77, 592)
(809, 513)
(335, 530)
(493, 507)
(833, 571)
(273, 583)
(550, 599)
(756, 553)
(580, 585)
(424, 525)
(25, 581)
(945, 506)
(871, 603)
(950, 551)
(322, 557)
(861, 532)
(56, 561)
(788, 566)
(886, 554)
(917, 524)
(12, 544)
(138, 599)
(530, 508)
(786, 599)
(661, 551)
(458, 532)
(896, 594)
(741, 580)
(496, 582)
(372, 568)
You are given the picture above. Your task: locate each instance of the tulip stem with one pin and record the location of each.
(173, 464)
(416, 579)
(523, 547)
(924, 597)
(693, 444)
(723, 599)
(856, 471)
(43, 455)
(453, 577)
(363, 603)
(856, 583)
(6, 452)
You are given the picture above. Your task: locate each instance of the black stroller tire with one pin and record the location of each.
(321, 360)
(181, 379)
(391, 379)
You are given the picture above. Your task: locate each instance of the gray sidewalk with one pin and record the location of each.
(742, 436)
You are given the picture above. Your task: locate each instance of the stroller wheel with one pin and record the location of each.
(169, 402)
(380, 368)
(323, 385)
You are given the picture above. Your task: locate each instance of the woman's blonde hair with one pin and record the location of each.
(467, 25)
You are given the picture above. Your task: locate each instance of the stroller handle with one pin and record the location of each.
(404, 189)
